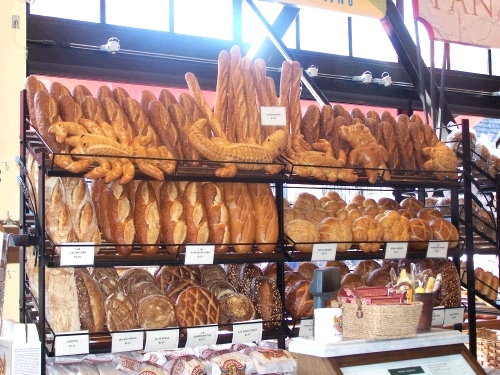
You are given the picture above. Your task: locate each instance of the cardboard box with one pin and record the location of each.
(20, 351)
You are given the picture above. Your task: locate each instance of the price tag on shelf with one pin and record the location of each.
(324, 251)
(77, 254)
(306, 328)
(72, 344)
(453, 315)
(396, 250)
(437, 316)
(199, 254)
(437, 249)
(198, 336)
(273, 116)
(165, 339)
(127, 341)
(247, 332)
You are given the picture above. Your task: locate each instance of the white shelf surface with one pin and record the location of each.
(436, 337)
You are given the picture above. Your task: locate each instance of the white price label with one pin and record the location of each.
(71, 345)
(199, 254)
(453, 315)
(127, 341)
(396, 250)
(247, 332)
(306, 328)
(324, 251)
(198, 336)
(437, 249)
(273, 116)
(77, 254)
(437, 316)
(162, 340)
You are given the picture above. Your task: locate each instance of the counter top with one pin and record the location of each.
(436, 337)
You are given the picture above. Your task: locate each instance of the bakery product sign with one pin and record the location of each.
(366, 8)
(471, 22)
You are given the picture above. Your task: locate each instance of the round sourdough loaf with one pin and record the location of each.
(155, 312)
(121, 312)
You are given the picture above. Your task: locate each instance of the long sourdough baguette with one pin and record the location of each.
(46, 114)
(181, 122)
(192, 110)
(117, 118)
(166, 97)
(56, 89)
(139, 120)
(196, 216)
(102, 189)
(241, 216)
(69, 109)
(32, 85)
(161, 122)
(266, 217)
(61, 302)
(309, 125)
(295, 109)
(145, 98)
(92, 109)
(121, 217)
(79, 92)
(220, 107)
(147, 218)
(219, 232)
(253, 118)
(285, 83)
(326, 122)
(240, 117)
(58, 223)
(172, 217)
(82, 211)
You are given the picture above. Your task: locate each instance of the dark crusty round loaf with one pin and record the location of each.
(267, 301)
(236, 307)
(134, 276)
(220, 288)
(270, 270)
(210, 273)
(306, 269)
(299, 301)
(109, 285)
(291, 278)
(196, 306)
(99, 272)
(121, 312)
(247, 273)
(156, 311)
(90, 302)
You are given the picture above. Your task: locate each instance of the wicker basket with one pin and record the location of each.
(379, 322)
(488, 347)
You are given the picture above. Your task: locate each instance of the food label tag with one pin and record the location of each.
(162, 340)
(198, 336)
(127, 341)
(324, 251)
(273, 116)
(437, 250)
(437, 316)
(77, 254)
(453, 315)
(247, 332)
(306, 328)
(396, 250)
(199, 254)
(71, 345)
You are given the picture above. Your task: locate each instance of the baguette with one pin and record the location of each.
(221, 91)
(56, 89)
(32, 85)
(79, 93)
(181, 122)
(105, 92)
(103, 191)
(162, 123)
(92, 109)
(192, 110)
(240, 116)
(196, 216)
(118, 120)
(167, 98)
(121, 217)
(253, 118)
(145, 98)
(285, 83)
(266, 217)
(219, 232)
(309, 125)
(82, 211)
(147, 218)
(139, 120)
(120, 94)
(172, 218)
(69, 109)
(58, 223)
(326, 121)
(241, 216)
(47, 114)
(295, 109)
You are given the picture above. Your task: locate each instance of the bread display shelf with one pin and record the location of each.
(107, 255)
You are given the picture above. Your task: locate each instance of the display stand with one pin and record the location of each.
(438, 352)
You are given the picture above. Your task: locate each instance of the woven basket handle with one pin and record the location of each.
(359, 311)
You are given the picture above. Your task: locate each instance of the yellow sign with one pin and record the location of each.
(366, 8)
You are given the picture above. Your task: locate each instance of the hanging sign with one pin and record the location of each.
(472, 22)
(366, 8)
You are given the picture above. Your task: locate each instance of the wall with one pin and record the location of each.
(12, 75)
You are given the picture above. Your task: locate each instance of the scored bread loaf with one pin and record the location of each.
(444, 230)
(161, 122)
(143, 289)
(177, 286)
(120, 217)
(420, 234)
(266, 217)
(167, 274)
(219, 231)
(299, 301)
(58, 224)
(147, 218)
(90, 302)
(309, 125)
(155, 311)
(133, 276)
(241, 216)
(172, 219)
(82, 211)
(61, 301)
(196, 306)
(236, 307)
(32, 85)
(195, 214)
(210, 273)
(267, 301)
(121, 312)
